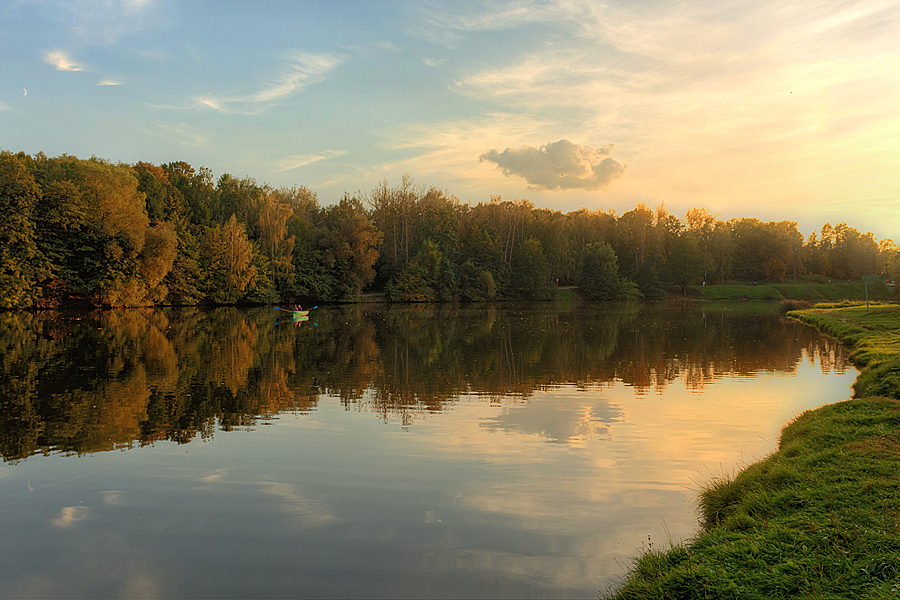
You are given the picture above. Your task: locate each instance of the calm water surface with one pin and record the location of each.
(475, 451)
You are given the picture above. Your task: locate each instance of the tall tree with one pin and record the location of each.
(22, 265)
(531, 272)
(350, 243)
(228, 262)
(157, 258)
(599, 276)
(275, 243)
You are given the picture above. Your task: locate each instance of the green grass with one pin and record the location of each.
(736, 292)
(565, 294)
(873, 336)
(815, 292)
(820, 517)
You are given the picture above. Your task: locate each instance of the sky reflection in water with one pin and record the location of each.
(385, 452)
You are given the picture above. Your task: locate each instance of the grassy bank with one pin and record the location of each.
(820, 517)
(814, 292)
(873, 337)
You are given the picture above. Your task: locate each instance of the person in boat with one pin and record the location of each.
(297, 308)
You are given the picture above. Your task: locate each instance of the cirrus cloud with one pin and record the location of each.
(301, 160)
(561, 165)
(300, 70)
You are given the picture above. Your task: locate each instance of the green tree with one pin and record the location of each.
(685, 262)
(310, 276)
(349, 242)
(227, 261)
(184, 280)
(763, 251)
(22, 265)
(430, 276)
(531, 272)
(157, 258)
(275, 242)
(599, 278)
(100, 203)
(195, 191)
(475, 283)
(263, 289)
(481, 245)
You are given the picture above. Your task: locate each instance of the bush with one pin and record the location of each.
(793, 304)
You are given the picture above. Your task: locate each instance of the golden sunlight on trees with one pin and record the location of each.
(89, 231)
(227, 256)
(157, 258)
(350, 243)
(21, 262)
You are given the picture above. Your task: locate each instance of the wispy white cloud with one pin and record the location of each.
(332, 180)
(107, 21)
(61, 60)
(109, 82)
(301, 160)
(183, 134)
(211, 103)
(432, 21)
(743, 82)
(190, 106)
(559, 165)
(300, 70)
(389, 46)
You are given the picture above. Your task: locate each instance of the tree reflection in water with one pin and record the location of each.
(95, 381)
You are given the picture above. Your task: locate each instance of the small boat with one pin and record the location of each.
(297, 315)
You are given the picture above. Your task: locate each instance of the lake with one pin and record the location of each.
(508, 450)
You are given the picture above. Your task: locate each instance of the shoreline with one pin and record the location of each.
(819, 517)
(771, 292)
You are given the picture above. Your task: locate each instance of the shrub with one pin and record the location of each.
(793, 304)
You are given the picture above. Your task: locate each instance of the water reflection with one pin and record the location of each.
(478, 451)
(97, 381)
(561, 421)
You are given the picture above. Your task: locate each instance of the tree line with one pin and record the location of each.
(90, 231)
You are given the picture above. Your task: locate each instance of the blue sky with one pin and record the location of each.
(769, 109)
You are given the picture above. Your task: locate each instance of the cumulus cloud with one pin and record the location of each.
(61, 61)
(560, 165)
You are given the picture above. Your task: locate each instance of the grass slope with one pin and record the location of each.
(820, 517)
(815, 292)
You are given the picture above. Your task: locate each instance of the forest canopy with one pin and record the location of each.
(90, 231)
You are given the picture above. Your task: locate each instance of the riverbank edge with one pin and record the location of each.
(812, 292)
(819, 517)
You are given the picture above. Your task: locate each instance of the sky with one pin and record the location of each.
(768, 109)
